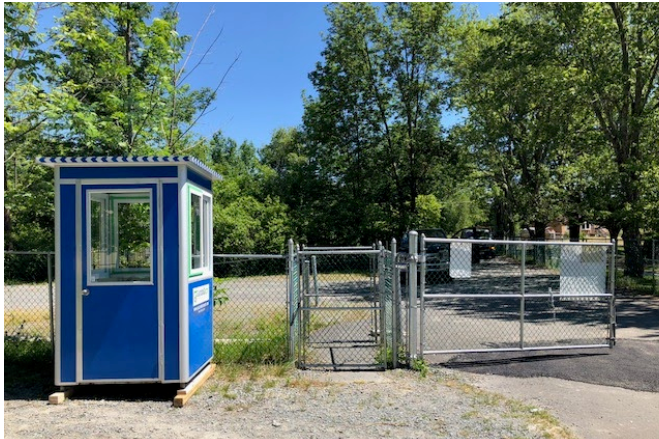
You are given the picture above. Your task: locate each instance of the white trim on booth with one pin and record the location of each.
(184, 342)
(119, 181)
(88, 267)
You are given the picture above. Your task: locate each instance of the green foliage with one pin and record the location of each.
(373, 135)
(429, 212)
(103, 81)
(420, 366)
(267, 345)
(386, 356)
(29, 367)
(220, 295)
(245, 218)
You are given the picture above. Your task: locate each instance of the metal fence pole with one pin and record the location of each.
(612, 299)
(422, 293)
(314, 269)
(522, 299)
(381, 286)
(654, 267)
(411, 279)
(395, 304)
(305, 299)
(289, 301)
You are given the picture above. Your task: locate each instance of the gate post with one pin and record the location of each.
(612, 292)
(395, 306)
(422, 292)
(522, 299)
(382, 318)
(290, 299)
(413, 304)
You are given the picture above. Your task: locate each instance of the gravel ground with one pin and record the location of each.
(295, 404)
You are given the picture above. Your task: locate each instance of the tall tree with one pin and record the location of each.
(611, 52)
(374, 129)
(28, 208)
(118, 65)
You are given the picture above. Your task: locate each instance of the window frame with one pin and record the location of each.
(113, 204)
(205, 232)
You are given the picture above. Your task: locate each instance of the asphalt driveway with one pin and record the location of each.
(632, 364)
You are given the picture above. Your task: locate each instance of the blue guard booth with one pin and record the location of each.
(134, 274)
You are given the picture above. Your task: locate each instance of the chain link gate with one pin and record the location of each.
(342, 307)
(507, 296)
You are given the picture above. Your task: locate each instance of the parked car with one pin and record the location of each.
(479, 251)
(437, 255)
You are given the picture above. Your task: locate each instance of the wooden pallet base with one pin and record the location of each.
(184, 395)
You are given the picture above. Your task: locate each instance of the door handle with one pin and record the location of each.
(85, 292)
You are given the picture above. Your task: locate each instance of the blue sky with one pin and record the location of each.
(279, 45)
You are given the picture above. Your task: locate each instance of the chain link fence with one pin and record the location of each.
(28, 296)
(503, 296)
(357, 306)
(251, 317)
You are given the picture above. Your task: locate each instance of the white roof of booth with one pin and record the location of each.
(193, 162)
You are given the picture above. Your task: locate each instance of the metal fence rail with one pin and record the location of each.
(493, 296)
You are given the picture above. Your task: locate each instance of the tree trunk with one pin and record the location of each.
(575, 230)
(540, 250)
(634, 261)
(8, 241)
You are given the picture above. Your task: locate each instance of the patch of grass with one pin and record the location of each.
(538, 420)
(35, 323)
(266, 344)
(304, 383)
(627, 285)
(234, 372)
(29, 367)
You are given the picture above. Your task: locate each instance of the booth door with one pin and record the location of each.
(120, 283)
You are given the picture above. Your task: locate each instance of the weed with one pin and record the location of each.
(420, 366)
(386, 356)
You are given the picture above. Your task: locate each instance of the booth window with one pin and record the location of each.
(120, 240)
(200, 235)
